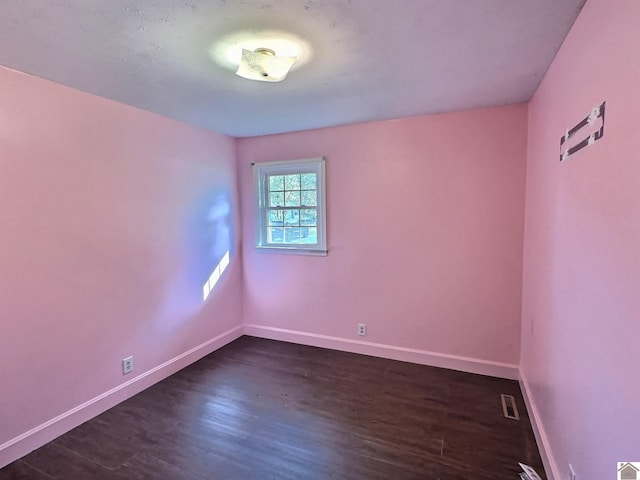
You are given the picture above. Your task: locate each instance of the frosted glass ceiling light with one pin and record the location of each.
(264, 65)
(252, 54)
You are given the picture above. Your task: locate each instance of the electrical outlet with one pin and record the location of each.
(572, 473)
(127, 365)
(362, 329)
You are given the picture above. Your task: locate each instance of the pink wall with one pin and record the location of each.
(581, 301)
(425, 226)
(106, 242)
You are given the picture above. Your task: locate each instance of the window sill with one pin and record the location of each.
(292, 251)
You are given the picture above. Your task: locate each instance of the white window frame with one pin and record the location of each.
(261, 171)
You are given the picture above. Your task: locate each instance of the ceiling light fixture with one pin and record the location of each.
(264, 65)
(254, 53)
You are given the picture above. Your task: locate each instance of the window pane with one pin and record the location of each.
(276, 218)
(291, 218)
(292, 199)
(292, 235)
(292, 182)
(276, 199)
(309, 217)
(309, 198)
(308, 235)
(276, 182)
(275, 234)
(308, 181)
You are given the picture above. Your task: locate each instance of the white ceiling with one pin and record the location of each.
(372, 59)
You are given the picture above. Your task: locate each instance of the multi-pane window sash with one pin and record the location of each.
(290, 205)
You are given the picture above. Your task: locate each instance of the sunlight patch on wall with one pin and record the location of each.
(215, 276)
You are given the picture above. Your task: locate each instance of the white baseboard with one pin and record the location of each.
(550, 466)
(423, 357)
(36, 437)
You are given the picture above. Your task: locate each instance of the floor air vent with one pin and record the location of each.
(509, 407)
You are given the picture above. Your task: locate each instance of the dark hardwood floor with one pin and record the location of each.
(260, 409)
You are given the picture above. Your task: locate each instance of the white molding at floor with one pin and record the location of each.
(423, 357)
(36, 437)
(550, 466)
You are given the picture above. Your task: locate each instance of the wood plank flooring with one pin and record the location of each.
(260, 409)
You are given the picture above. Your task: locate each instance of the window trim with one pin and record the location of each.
(260, 173)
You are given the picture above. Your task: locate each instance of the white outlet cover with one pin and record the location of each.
(127, 365)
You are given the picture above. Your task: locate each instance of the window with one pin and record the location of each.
(290, 208)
